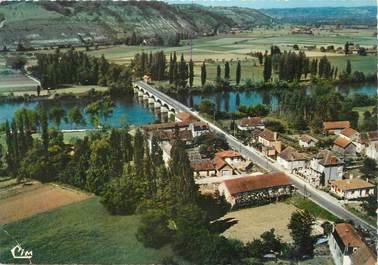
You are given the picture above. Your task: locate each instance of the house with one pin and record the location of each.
(307, 141)
(350, 134)
(364, 256)
(325, 162)
(271, 146)
(185, 117)
(368, 143)
(372, 151)
(291, 159)
(169, 136)
(203, 168)
(352, 188)
(198, 128)
(166, 148)
(255, 189)
(230, 156)
(251, 123)
(169, 126)
(347, 247)
(344, 146)
(222, 167)
(335, 127)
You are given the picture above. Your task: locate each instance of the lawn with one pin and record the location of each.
(80, 233)
(305, 204)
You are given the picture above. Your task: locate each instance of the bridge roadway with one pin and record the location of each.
(321, 198)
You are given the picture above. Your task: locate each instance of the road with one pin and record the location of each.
(321, 198)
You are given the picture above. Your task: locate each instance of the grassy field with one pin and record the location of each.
(80, 233)
(360, 212)
(252, 222)
(305, 204)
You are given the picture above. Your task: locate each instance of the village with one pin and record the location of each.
(220, 169)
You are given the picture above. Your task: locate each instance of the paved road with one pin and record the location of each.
(321, 198)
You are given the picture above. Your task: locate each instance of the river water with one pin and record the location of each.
(129, 111)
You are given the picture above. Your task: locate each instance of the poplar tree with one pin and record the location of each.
(203, 74)
(191, 73)
(227, 71)
(219, 72)
(238, 73)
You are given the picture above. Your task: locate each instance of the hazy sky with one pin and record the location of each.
(279, 3)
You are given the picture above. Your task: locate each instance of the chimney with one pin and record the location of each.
(275, 135)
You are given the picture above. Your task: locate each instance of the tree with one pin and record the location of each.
(238, 73)
(369, 167)
(348, 69)
(219, 72)
(154, 231)
(203, 74)
(237, 100)
(300, 226)
(16, 62)
(206, 106)
(75, 116)
(191, 73)
(44, 130)
(267, 68)
(182, 181)
(56, 114)
(370, 205)
(226, 70)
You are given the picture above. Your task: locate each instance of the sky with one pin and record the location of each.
(279, 3)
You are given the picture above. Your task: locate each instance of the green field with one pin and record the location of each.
(305, 204)
(79, 233)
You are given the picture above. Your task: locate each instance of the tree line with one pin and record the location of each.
(75, 67)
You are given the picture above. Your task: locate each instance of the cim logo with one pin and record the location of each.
(19, 253)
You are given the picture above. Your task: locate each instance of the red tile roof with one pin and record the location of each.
(202, 165)
(349, 236)
(228, 153)
(200, 126)
(268, 135)
(291, 154)
(219, 163)
(364, 256)
(327, 158)
(352, 184)
(348, 132)
(251, 121)
(186, 117)
(342, 142)
(184, 135)
(332, 125)
(259, 182)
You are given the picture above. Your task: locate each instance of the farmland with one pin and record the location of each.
(80, 233)
(18, 201)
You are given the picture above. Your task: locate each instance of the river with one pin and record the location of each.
(227, 101)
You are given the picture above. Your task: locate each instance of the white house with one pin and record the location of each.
(271, 146)
(350, 134)
(251, 123)
(307, 141)
(291, 159)
(344, 243)
(251, 189)
(372, 151)
(230, 156)
(198, 128)
(352, 188)
(329, 164)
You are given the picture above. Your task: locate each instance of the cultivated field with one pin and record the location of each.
(80, 233)
(19, 201)
(15, 82)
